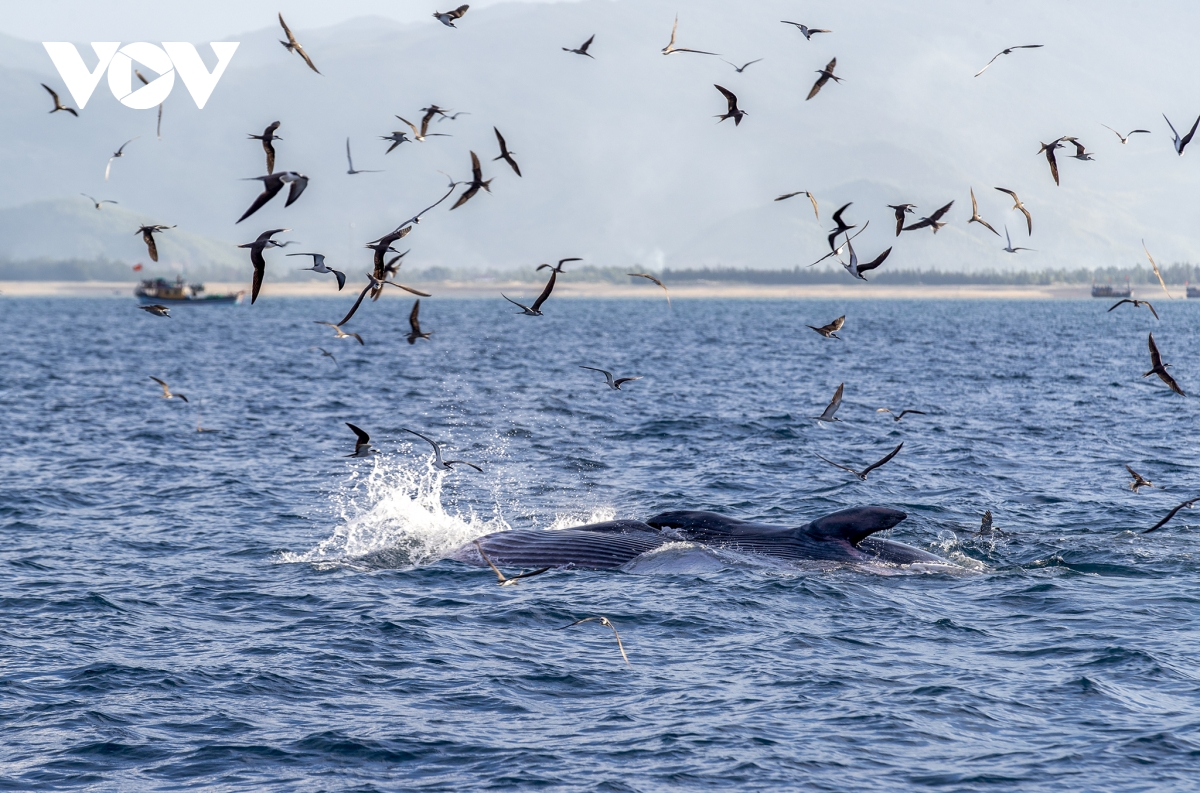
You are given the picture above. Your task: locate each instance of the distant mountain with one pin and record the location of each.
(622, 159)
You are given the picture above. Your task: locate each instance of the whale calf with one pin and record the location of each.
(843, 536)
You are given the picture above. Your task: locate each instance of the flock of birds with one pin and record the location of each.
(385, 269)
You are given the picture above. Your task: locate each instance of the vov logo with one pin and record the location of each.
(172, 57)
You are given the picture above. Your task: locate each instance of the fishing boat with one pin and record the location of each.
(160, 290)
(1193, 291)
(1108, 290)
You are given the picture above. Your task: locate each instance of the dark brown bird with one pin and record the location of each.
(826, 75)
(1048, 149)
(382, 246)
(614, 384)
(841, 225)
(536, 309)
(256, 258)
(414, 324)
(649, 277)
(505, 154)
(148, 233)
(447, 17)
(558, 268)
(1018, 205)
(477, 181)
(1138, 480)
(854, 268)
(1170, 515)
(1159, 368)
(901, 414)
(272, 184)
(59, 105)
(268, 137)
(932, 220)
(863, 473)
(421, 134)
(742, 68)
(733, 110)
(158, 128)
(167, 390)
(376, 285)
(1136, 304)
(900, 210)
(291, 45)
(830, 331)
(157, 310)
(805, 30)
(583, 48)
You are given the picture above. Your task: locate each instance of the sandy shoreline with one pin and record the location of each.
(567, 289)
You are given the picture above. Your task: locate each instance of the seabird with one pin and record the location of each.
(1138, 480)
(59, 105)
(841, 224)
(1009, 248)
(416, 219)
(1081, 152)
(975, 218)
(319, 267)
(350, 160)
(901, 210)
(268, 138)
(932, 220)
(379, 276)
(615, 385)
(1136, 304)
(272, 184)
(833, 405)
(605, 622)
(582, 48)
(1170, 515)
(811, 198)
(477, 181)
(826, 75)
(447, 17)
(158, 132)
(667, 50)
(1008, 52)
(397, 138)
(901, 414)
(855, 269)
(1154, 264)
(438, 462)
(423, 133)
(339, 333)
(1018, 205)
(558, 268)
(1179, 142)
(830, 331)
(362, 444)
(454, 116)
(536, 309)
(327, 354)
(1049, 148)
(431, 111)
(414, 324)
(733, 110)
(503, 580)
(649, 277)
(376, 285)
(97, 203)
(863, 473)
(805, 30)
(742, 68)
(393, 264)
(838, 250)
(157, 310)
(148, 233)
(1124, 138)
(1159, 368)
(291, 45)
(118, 153)
(256, 258)
(505, 154)
(167, 390)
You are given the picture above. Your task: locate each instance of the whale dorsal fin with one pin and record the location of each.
(853, 525)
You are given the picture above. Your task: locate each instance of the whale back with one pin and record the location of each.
(597, 546)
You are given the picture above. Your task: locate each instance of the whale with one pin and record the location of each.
(844, 536)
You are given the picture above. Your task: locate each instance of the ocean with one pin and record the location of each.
(248, 609)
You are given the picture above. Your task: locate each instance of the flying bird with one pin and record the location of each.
(397, 138)
(811, 198)
(350, 160)
(1049, 148)
(838, 250)
(841, 224)
(615, 385)
(649, 277)
(447, 17)
(291, 45)
(59, 105)
(97, 203)
(830, 331)
(1008, 52)
(1170, 515)
(1081, 153)
(805, 30)
(742, 68)
(272, 184)
(375, 285)
(935, 220)
(501, 579)
(536, 309)
(158, 132)
(362, 443)
(118, 153)
(1154, 264)
(975, 218)
(268, 138)
(148, 233)
(558, 268)
(583, 48)
(167, 390)
(326, 353)
(863, 473)
(256, 258)
(1159, 368)
(477, 181)
(1179, 142)
(826, 75)
(832, 407)
(901, 210)
(454, 116)
(1018, 205)
(1136, 304)
(733, 110)
(421, 134)
(1009, 247)
(855, 269)
(338, 333)
(606, 623)
(1139, 481)
(505, 154)
(414, 325)
(438, 462)
(157, 310)
(1124, 138)
(902, 413)
(670, 48)
(319, 267)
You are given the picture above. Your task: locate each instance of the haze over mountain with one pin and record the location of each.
(623, 160)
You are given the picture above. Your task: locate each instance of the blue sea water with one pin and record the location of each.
(249, 610)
